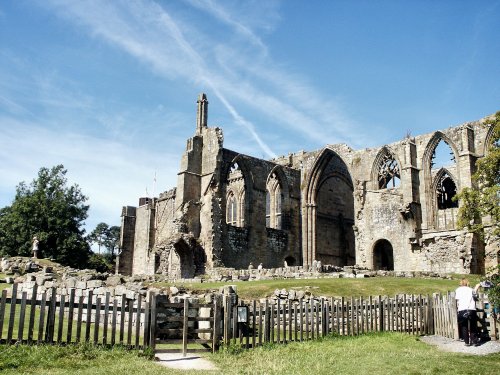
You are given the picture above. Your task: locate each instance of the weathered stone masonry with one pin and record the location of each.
(388, 208)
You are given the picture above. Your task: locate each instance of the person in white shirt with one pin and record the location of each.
(467, 315)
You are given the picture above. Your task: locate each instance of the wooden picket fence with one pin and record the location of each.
(153, 321)
(446, 322)
(59, 319)
(281, 322)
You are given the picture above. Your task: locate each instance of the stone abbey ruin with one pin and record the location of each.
(384, 208)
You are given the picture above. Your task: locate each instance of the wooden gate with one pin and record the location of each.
(174, 326)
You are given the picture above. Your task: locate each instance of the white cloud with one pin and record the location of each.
(150, 33)
(111, 174)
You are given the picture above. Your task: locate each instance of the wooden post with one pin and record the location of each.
(290, 317)
(51, 317)
(106, 319)
(260, 324)
(152, 335)
(306, 306)
(185, 327)
(301, 320)
(342, 313)
(22, 317)
(61, 319)
(3, 303)
(89, 316)
(122, 317)
(130, 321)
(79, 319)
(147, 321)
(350, 316)
(113, 321)
(227, 321)
(254, 322)
(31, 325)
(362, 312)
(284, 321)
(337, 317)
(278, 320)
(236, 332)
(97, 319)
(215, 326)
(137, 321)
(371, 314)
(295, 331)
(13, 303)
(412, 317)
(71, 310)
(41, 321)
(318, 306)
(272, 321)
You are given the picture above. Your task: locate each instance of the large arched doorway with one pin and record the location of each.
(329, 213)
(383, 258)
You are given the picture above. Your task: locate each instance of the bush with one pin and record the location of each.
(100, 263)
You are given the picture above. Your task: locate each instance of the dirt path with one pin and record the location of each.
(189, 362)
(450, 345)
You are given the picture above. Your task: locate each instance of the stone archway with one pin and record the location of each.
(329, 213)
(383, 256)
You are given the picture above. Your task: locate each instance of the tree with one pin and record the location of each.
(53, 212)
(105, 236)
(113, 241)
(483, 199)
(98, 235)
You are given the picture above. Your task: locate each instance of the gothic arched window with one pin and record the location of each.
(389, 175)
(445, 191)
(232, 210)
(274, 201)
(235, 203)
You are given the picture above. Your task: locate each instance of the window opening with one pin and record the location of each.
(232, 210)
(389, 175)
(446, 190)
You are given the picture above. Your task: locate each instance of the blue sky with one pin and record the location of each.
(108, 88)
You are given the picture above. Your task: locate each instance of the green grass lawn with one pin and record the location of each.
(348, 287)
(387, 353)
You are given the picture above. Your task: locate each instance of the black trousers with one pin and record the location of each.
(467, 327)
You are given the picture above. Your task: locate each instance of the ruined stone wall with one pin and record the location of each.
(423, 237)
(143, 258)
(250, 241)
(387, 207)
(127, 234)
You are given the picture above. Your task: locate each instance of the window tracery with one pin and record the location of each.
(445, 191)
(389, 175)
(274, 201)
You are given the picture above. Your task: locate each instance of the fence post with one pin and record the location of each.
(152, 332)
(215, 326)
(3, 303)
(185, 327)
(89, 316)
(12, 314)
(70, 315)
(51, 317)
(32, 314)
(147, 320)
(380, 314)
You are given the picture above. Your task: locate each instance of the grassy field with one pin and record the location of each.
(330, 287)
(388, 353)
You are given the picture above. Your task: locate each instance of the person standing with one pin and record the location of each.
(467, 314)
(35, 247)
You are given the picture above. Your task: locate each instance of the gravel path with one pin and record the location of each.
(190, 362)
(450, 345)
